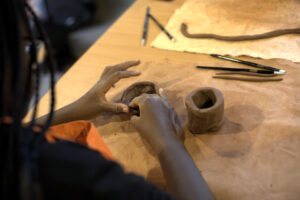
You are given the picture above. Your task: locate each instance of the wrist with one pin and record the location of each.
(167, 141)
(170, 147)
(86, 107)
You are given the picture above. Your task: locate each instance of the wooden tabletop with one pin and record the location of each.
(256, 148)
(120, 43)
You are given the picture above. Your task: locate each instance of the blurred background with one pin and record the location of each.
(73, 26)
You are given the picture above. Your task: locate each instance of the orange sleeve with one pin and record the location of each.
(83, 132)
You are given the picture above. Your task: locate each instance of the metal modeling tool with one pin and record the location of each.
(252, 64)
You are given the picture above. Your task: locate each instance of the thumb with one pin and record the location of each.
(163, 95)
(116, 108)
(135, 120)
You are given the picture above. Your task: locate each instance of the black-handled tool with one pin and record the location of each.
(252, 64)
(145, 30)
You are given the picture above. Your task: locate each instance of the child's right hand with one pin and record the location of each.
(157, 121)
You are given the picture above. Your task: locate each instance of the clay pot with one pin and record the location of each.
(205, 107)
(137, 89)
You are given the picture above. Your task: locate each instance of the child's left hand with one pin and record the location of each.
(110, 76)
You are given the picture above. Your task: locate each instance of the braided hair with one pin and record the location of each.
(18, 170)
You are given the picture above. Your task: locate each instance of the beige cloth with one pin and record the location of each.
(236, 17)
(256, 153)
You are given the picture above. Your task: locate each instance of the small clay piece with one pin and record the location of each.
(137, 89)
(205, 107)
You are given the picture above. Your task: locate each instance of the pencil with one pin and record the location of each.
(247, 63)
(162, 28)
(144, 38)
(240, 70)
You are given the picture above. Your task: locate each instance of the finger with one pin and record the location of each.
(137, 101)
(163, 95)
(178, 127)
(173, 120)
(105, 71)
(120, 67)
(116, 108)
(135, 120)
(125, 65)
(115, 77)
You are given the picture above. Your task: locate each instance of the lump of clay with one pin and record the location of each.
(137, 89)
(205, 107)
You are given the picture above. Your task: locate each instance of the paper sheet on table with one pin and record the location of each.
(236, 17)
(256, 153)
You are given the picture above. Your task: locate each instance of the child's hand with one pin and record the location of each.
(158, 121)
(110, 76)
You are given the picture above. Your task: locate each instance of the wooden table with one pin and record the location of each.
(121, 43)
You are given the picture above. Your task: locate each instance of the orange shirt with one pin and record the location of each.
(83, 132)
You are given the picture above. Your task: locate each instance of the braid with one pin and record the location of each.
(19, 169)
(33, 63)
(29, 184)
(13, 45)
(52, 65)
(3, 63)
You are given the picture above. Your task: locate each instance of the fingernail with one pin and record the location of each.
(161, 90)
(126, 110)
(137, 72)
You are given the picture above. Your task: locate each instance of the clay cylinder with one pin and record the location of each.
(205, 107)
(137, 89)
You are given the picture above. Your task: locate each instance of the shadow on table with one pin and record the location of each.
(233, 139)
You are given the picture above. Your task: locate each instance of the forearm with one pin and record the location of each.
(183, 177)
(94, 102)
(78, 110)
